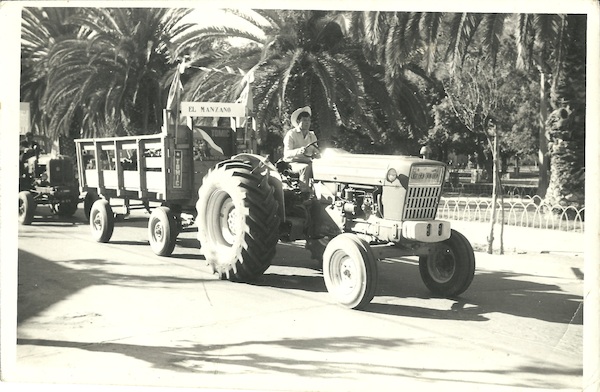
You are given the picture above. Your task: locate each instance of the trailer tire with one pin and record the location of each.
(350, 270)
(449, 267)
(162, 231)
(27, 206)
(102, 220)
(88, 201)
(238, 223)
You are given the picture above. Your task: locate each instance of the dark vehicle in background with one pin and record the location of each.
(46, 179)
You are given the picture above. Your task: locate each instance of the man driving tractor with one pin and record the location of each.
(299, 146)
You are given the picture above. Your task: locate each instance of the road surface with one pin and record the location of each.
(118, 314)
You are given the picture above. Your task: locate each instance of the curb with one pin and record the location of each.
(522, 239)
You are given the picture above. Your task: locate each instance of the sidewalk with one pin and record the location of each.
(522, 239)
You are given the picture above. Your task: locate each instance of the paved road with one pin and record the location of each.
(117, 314)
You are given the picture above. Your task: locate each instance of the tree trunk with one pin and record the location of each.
(543, 158)
(494, 192)
(566, 124)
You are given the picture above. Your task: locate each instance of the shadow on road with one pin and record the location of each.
(491, 292)
(43, 283)
(250, 357)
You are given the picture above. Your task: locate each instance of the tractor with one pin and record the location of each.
(361, 205)
(46, 179)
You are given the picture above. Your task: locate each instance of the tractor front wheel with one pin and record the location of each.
(238, 224)
(449, 266)
(102, 220)
(27, 207)
(162, 231)
(350, 270)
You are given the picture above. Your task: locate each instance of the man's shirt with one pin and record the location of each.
(294, 141)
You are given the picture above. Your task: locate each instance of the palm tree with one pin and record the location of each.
(105, 80)
(542, 41)
(299, 58)
(41, 28)
(565, 126)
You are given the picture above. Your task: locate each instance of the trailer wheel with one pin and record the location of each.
(350, 270)
(238, 225)
(27, 207)
(449, 267)
(67, 208)
(88, 201)
(102, 220)
(162, 231)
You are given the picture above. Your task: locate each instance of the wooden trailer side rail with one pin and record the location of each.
(124, 166)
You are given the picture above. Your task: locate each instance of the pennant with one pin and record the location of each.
(246, 99)
(175, 92)
(209, 140)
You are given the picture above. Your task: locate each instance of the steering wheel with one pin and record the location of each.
(315, 145)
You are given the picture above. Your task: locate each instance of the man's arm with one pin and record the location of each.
(290, 151)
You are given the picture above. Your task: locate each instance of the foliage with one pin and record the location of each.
(307, 58)
(103, 80)
(377, 81)
(41, 28)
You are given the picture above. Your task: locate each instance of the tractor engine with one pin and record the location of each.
(386, 198)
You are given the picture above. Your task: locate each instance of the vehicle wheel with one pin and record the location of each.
(102, 220)
(238, 226)
(67, 208)
(27, 207)
(162, 231)
(350, 270)
(449, 267)
(88, 201)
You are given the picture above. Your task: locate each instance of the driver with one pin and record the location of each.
(298, 146)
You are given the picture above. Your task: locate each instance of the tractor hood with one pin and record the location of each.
(376, 170)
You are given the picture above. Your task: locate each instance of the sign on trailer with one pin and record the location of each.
(212, 109)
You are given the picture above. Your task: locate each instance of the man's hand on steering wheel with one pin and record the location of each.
(315, 154)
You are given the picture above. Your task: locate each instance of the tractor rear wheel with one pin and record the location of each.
(162, 231)
(449, 267)
(27, 207)
(350, 270)
(102, 220)
(238, 225)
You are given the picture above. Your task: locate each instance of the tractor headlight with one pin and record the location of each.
(392, 174)
(426, 175)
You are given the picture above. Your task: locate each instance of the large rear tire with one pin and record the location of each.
(350, 270)
(449, 267)
(162, 231)
(27, 206)
(238, 225)
(102, 220)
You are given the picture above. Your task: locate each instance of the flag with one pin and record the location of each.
(209, 140)
(175, 91)
(246, 99)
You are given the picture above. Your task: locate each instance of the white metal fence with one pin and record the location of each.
(525, 211)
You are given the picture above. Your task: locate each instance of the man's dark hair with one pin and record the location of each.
(303, 114)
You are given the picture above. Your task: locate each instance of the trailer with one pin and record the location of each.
(161, 172)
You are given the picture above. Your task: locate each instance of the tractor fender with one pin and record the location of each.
(259, 162)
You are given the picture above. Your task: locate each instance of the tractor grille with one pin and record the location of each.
(60, 171)
(421, 202)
